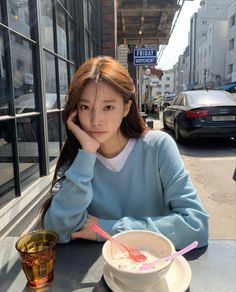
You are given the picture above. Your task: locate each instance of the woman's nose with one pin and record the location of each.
(96, 117)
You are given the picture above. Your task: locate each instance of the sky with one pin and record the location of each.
(179, 38)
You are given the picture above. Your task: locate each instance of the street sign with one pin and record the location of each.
(145, 56)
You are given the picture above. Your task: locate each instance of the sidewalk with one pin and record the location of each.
(157, 124)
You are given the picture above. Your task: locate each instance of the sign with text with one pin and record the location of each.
(145, 56)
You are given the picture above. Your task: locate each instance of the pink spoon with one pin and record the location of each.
(135, 254)
(148, 266)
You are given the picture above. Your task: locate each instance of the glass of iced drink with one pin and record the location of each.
(37, 251)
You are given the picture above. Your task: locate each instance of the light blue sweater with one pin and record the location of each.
(152, 191)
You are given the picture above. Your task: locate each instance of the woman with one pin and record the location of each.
(116, 172)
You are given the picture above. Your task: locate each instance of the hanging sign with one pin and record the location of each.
(145, 56)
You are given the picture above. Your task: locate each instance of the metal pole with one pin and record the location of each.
(139, 90)
(205, 78)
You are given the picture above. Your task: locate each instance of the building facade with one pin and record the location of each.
(230, 64)
(212, 52)
(165, 84)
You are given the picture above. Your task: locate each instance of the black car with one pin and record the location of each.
(202, 114)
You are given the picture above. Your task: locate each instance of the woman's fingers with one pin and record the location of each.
(86, 232)
(71, 119)
(87, 142)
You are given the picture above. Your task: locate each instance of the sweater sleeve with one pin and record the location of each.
(67, 212)
(186, 220)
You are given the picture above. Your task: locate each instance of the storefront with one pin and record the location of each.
(42, 42)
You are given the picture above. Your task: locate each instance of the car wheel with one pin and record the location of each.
(178, 137)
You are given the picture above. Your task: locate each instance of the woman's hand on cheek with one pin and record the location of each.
(87, 142)
(85, 232)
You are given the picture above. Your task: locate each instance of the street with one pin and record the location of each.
(211, 166)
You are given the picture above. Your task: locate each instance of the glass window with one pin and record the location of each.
(70, 7)
(91, 47)
(28, 136)
(23, 78)
(72, 72)
(1, 20)
(7, 183)
(64, 136)
(53, 135)
(61, 32)
(232, 20)
(63, 81)
(47, 24)
(50, 81)
(86, 12)
(4, 91)
(90, 13)
(231, 44)
(63, 2)
(86, 44)
(72, 41)
(19, 16)
(230, 68)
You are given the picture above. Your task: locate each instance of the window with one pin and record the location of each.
(232, 20)
(26, 105)
(231, 44)
(61, 33)
(63, 81)
(50, 81)
(28, 137)
(7, 183)
(23, 76)
(18, 13)
(1, 20)
(178, 100)
(230, 68)
(53, 135)
(167, 78)
(90, 30)
(4, 90)
(72, 72)
(47, 24)
(72, 41)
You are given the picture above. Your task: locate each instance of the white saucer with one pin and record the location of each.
(177, 279)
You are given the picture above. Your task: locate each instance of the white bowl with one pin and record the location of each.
(151, 242)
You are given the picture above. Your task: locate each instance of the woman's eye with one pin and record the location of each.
(109, 107)
(83, 107)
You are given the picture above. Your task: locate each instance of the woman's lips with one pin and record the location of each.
(98, 133)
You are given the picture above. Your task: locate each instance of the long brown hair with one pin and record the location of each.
(108, 70)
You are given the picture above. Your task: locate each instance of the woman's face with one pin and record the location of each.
(100, 112)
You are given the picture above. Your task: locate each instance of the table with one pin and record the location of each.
(79, 267)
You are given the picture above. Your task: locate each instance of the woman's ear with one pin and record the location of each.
(127, 108)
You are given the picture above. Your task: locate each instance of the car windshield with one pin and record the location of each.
(211, 98)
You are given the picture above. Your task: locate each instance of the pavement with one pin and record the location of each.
(157, 123)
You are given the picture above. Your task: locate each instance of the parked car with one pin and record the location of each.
(203, 114)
